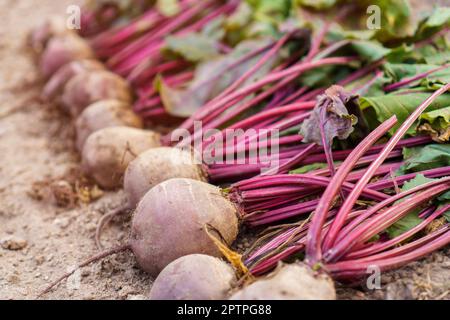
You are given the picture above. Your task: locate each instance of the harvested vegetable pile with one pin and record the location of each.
(283, 114)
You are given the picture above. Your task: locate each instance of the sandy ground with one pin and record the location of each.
(40, 240)
(36, 145)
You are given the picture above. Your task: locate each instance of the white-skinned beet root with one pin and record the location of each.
(55, 86)
(107, 153)
(89, 87)
(170, 222)
(171, 219)
(61, 50)
(150, 168)
(289, 282)
(194, 277)
(40, 36)
(158, 165)
(104, 114)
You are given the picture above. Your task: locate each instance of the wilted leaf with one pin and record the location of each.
(330, 119)
(331, 111)
(437, 124)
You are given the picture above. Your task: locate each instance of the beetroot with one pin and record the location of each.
(194, 277)
(41, 35)
(290, 282)
(158, 165)
(89, 87)
(107, 152)
(104, 114)
(151, 167)
(61, 50)
(58, 81)
(164, 228)
(165, 205)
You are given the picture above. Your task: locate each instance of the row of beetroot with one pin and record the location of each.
(335, 196)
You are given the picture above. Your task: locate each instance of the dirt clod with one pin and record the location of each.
(13, 243)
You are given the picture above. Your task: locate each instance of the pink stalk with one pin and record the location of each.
(173, 24)
(317, 41)
(330, 49)
(308, 180)
(431, 173)
(116, 36)
(325, 143)
(249, 55)
(288, 212)
(353, 232)
(269, 55)
(148, 104)
(156, 112)
(175, 80)
(279, 96)
(148, 73)
(421, 248)
(214, 122)
(139, 68)
(297, 235)
(221, 172)
(350, 201)
(276, 242)
(294, 96)
(270, 263)
(313, 248)
(311, 95)
(378, 247)
(342, 154)
(426, 212)
(151, 53)
(231, 150)
(260, 206)
(363, 89)
(296, 69)
(361, 72)
(406, 248)
(352, 77)
(385, 219)
(251, 121)
(292, 162)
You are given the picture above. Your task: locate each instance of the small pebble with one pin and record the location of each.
(13, 279)
(39, 260)
(13, 243)
(62, 222)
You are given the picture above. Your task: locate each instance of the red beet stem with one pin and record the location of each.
(350, 234)
(350, 201)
